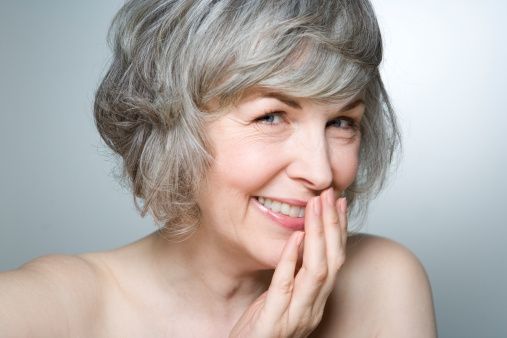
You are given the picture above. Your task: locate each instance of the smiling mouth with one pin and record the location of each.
(282, 208)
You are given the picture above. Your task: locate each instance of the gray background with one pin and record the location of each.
(445, 70)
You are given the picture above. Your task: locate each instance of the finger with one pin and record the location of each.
(341, 206)
(332, 228)
(335, 229)
(314, 269)
(280, 290)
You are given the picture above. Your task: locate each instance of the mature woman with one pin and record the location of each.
(244, 128)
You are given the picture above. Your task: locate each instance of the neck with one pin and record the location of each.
(211, 275)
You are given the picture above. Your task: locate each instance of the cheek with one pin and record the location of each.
(345, 163)
(246, 166)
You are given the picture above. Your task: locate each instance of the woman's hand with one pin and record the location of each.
(293, 305)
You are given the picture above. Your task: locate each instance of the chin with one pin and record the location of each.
(268, 256)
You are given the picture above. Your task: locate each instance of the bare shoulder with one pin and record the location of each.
(63, 267)
(369, 254)
(55, 296)
(382, 291)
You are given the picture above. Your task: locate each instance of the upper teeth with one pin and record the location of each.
(283, 208)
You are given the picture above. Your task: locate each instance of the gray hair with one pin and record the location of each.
(173, 57)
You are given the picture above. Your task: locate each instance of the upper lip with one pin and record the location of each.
(292, 201)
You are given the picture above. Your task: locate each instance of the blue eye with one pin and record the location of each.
(271, 118)
(275, 118)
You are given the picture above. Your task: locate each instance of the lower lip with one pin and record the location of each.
(292, 223)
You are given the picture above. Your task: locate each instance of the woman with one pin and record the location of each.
(245, 128)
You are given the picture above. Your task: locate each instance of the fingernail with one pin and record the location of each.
(316, 206)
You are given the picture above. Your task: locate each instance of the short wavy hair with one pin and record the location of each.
(173, 57)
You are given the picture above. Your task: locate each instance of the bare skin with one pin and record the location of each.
(220, 282)
(380, 291)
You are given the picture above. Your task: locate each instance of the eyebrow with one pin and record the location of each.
(295, 104)
(352, 105)
(285, 99)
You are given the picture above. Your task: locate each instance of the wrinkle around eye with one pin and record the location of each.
(342, 137)
(237, 120)
(271, 132)
(242, 130)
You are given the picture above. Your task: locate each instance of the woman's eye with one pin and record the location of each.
(277, 118)
(343, 123)
(271, 118)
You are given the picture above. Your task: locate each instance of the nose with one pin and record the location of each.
(311, 163)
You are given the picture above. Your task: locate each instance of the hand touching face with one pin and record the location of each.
(271, 147)
(294, 303)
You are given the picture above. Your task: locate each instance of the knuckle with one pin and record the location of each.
(320, 274)
(334, 220)
(340, 259)
(285, 286)
(319, 229)
(338, 262)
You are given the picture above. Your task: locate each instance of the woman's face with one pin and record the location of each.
(274, 148)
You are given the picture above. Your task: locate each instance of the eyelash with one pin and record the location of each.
(262, 119)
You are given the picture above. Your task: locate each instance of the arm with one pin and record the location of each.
(49, 297)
